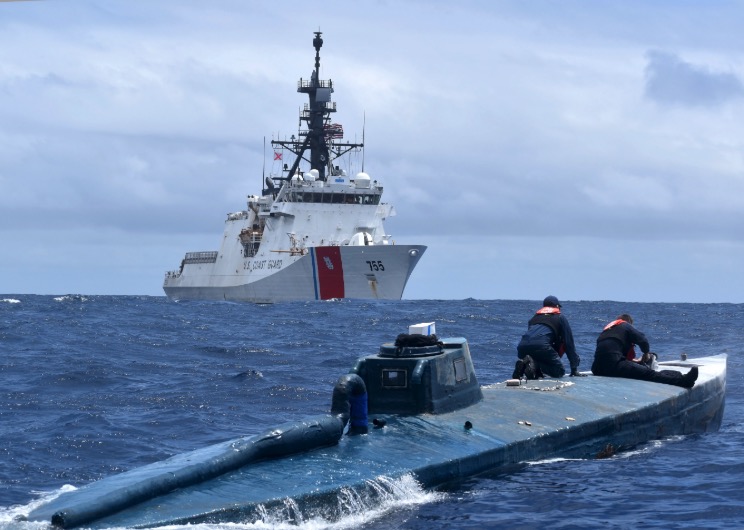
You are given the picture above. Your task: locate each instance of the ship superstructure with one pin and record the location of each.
(315, 233)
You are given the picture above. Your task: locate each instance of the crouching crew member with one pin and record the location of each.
(547, 338)
(615, 353)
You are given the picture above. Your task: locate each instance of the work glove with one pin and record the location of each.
(575, 373)
(648, 358)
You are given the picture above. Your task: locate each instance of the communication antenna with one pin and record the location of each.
(364, 126)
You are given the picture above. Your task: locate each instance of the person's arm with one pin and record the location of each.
(638, 338)
(568, 340)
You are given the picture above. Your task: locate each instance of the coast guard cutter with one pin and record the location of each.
(315, 233)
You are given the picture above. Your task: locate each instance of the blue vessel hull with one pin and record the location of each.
(241, 479)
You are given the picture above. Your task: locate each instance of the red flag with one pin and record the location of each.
(277, 156)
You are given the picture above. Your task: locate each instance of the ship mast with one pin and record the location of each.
(318, 137)
(320, 105)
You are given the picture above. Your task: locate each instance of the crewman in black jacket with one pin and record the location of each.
(615, 354)
(547, 338)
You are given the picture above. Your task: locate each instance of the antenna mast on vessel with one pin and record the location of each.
(322, 138)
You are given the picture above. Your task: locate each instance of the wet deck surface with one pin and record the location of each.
(575, 417)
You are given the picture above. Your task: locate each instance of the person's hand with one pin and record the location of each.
(575, 373)
(649, 357)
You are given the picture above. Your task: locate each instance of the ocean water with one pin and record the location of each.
(95, 385)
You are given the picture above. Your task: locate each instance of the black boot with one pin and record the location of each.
(688, 380)
(519, 369)
(531, 370)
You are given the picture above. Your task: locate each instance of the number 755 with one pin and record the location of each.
(376, 265)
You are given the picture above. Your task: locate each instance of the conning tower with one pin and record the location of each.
(410, 380)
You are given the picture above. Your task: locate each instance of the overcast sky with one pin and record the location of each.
(590, 150)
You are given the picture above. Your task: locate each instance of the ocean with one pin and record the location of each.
(96, 385)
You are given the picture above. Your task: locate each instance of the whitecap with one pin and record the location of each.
(13, 517)
(354, 509)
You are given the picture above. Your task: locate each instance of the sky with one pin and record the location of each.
(589, 150)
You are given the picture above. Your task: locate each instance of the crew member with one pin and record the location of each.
(548, 337)
(615, 353)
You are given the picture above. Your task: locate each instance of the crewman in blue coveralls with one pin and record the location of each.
(548, 337)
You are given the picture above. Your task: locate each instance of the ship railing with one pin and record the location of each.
(329, 106)
(200, 257)
(326, 196)
(308, 83)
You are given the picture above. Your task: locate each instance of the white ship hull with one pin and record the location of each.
(369, 272)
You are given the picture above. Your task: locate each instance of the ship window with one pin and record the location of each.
(393, 378)
(461, 371)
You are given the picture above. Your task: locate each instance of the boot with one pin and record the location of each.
(688, 380)
(519, 369)
(530, 370)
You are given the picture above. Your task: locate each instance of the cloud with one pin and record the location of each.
(673, 81)
(521, 128)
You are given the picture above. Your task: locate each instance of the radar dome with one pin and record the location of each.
(361, 180)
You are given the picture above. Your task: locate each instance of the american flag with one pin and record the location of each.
(334, 130)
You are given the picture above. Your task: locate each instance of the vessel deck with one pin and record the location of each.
(570, 417)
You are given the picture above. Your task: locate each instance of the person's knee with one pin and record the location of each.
(552, 369)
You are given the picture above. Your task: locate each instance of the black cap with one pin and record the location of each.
(551, 301)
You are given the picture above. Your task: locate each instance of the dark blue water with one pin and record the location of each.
(95, 385)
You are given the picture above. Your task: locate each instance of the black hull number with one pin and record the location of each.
(376, 266)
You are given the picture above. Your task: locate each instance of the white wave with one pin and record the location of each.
(353, 509)
(10, 301)
(12, 517)
(651, 446)
(646, 448)
(552, 461)
(70, 297)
